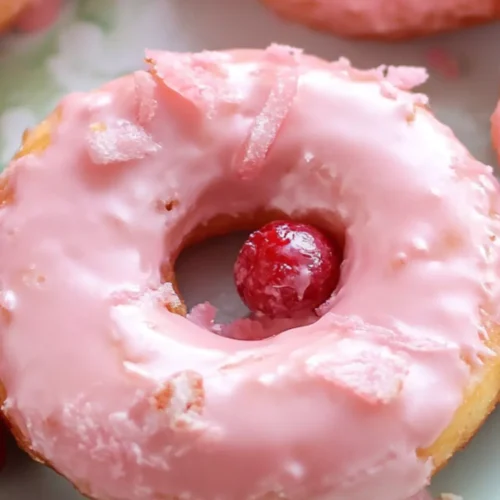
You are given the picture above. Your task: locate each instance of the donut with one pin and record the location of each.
(386, 19)
(107, 378)
(28, 15)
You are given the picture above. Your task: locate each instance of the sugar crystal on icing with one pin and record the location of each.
(120, 141)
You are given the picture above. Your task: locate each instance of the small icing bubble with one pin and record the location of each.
(308, 157)
(295, 469)
(267, 379)
(436, 192)
(400, 260)
(8, 300)
(420, 245)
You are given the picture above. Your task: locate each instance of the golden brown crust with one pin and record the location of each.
(480, 399)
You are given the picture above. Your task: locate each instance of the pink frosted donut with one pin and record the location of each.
(105, 378)
(28, 15)
(387, 19)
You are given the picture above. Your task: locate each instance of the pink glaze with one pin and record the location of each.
(133, 402)
(387, 18)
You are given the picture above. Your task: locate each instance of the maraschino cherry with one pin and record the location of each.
(286, 269)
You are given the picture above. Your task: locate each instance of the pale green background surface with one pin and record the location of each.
(99, 39)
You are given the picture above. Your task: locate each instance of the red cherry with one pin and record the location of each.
(286, 269)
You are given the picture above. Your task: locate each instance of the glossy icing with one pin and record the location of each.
(131, 401)
(387, 18)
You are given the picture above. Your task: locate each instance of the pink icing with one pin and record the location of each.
(131, 401)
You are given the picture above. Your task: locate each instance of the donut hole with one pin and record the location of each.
(202, 275)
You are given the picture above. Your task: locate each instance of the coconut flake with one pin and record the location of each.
(406, 77)
(407, 341)
(264, 130)
(203, 315)
(120, 141)
(145, 92)
(197, 78)
(374, 374)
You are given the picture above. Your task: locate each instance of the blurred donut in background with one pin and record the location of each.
(386, 19)
(28, 15)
